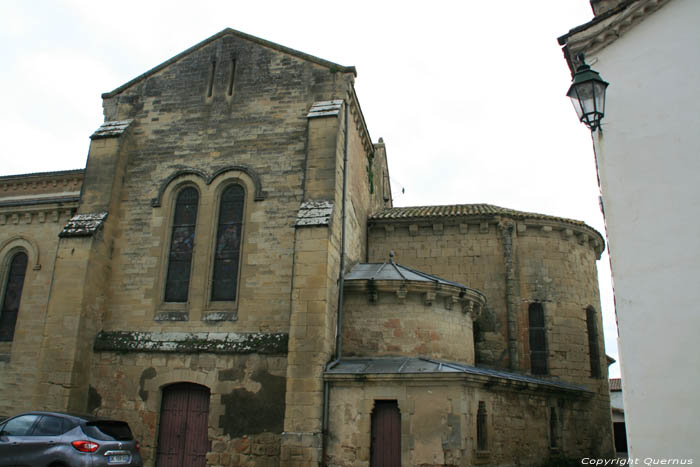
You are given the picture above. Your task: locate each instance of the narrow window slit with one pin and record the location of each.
(481, 433)
(211, 78)
(233, 73)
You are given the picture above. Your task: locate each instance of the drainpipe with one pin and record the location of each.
(341, 284)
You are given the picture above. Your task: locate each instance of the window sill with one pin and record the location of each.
(481, 457)
(172, 316)
(216, 316)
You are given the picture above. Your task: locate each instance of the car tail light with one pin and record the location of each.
(85, 446)
(138, 446)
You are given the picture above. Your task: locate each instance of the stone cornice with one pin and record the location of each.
(40, 188)
(606, 28)
(359, 119)
(465, 299)
(37, 214)
(569, 230)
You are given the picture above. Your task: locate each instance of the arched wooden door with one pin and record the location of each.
(386, 435)
(183, 439)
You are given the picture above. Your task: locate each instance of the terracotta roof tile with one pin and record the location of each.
(464, 210)
(615, 384)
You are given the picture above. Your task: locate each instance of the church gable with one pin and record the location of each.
(229, 67)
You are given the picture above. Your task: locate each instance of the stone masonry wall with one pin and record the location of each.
(35, 231)
(246, 410)
(554, 264)
(471, 254)
(30, 222)
(409, 327)
(438, 422)
(259, 129)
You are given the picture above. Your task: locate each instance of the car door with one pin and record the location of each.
(40, 444)
(13, 435)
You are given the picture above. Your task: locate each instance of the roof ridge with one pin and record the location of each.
(199, 45)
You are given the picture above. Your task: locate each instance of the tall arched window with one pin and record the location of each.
(538, 339)
(227, 251)
(593, 351)
(13, 294)
(181, 245)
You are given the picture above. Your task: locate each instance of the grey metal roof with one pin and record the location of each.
(394, 272)
(420, 365)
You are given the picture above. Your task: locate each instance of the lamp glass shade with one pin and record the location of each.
(587, 94)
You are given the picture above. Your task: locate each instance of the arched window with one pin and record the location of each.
(181, 246)
(593, 351)
(227, 251)
(538, 340)
(13, 294)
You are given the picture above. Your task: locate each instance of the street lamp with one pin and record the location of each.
(587, 93)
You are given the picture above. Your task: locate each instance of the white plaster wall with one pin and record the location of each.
(649, 163)
(616, 400)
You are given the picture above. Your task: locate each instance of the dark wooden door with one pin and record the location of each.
(386, 434)
(183, 439)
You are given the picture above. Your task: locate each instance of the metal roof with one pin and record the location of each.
(463, 210)
(394, 272)
(420, 365)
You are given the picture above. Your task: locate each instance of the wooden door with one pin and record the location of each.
(183, 439)
(386, 434)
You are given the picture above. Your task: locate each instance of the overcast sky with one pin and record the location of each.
(469, 96)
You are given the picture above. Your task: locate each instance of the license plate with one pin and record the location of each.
(118, 459)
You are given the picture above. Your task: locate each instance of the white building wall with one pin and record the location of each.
(649, 164)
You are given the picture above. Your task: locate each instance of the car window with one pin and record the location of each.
(49, 426)
(20, 426)
(109, 430)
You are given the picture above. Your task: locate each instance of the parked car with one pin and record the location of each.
(52, 439)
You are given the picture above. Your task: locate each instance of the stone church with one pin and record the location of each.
(228, 275)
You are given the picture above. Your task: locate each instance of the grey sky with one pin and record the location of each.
(468, 96)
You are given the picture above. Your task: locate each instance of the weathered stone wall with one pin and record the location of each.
(246, 411)
(552, 263)
(179, 129)
(468, 253)
(438, 422)
(409, 326)
(30, 225)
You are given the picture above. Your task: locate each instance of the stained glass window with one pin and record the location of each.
(181, 246)
(13, 295)
(538, 340)
(228, 244)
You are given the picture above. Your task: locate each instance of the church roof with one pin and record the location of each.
(409, 366)
(463, 210)
(233, 32)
